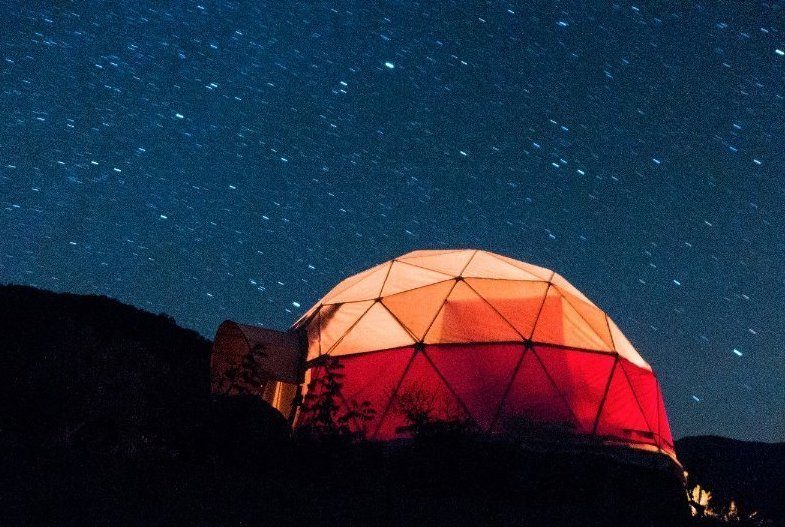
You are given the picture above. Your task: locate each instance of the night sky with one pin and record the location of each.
(216, 160)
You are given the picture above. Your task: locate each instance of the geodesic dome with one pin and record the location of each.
(475, 336)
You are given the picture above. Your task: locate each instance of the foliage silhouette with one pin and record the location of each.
(245, 378)
(420, 408)
(325, 413)
(707, 513)
(747, 473)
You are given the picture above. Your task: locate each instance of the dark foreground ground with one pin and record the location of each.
(107, 420)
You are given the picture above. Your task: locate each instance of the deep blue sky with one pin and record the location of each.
(215, 160)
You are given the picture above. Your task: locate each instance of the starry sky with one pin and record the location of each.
(223, 159)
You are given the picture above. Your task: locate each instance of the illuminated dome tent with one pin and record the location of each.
(472, 336)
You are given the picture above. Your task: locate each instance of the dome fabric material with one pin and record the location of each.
(472, 335)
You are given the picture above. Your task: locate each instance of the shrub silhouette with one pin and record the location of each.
(326, 414)
(748, 473)
(245, 378)
(706, 513)
(430, 414)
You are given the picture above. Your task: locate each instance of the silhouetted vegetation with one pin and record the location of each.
(706, 511)
(419, 406)
(107, 420)
(326, 415)
(246, 378)
(749, 475)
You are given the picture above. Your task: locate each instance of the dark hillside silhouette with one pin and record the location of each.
(107, 415)
(107, 419)
(88, 370)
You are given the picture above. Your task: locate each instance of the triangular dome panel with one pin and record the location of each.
(620, 415)
(416, 309)
(346, 283)
(540, 272)
(451, 263)
(376, 330)
(568, 289)
(517, 302)
(581, 378)
(560, 324)
(403, 277)
(478, 375)
(335, 320)
(533, 406)
(467, 317)
(370, 379)
(368, 288)
(624, 348)
(592, 315)
(644, 385)
(421, 396)
(485, 265)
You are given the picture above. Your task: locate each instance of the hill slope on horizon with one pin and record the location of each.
(77, 366)
(100, 395)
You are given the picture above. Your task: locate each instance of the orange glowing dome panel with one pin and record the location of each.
(473, 336)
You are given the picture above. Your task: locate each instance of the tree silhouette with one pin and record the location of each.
(244, 378)
(420, 408)
(326, 414)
